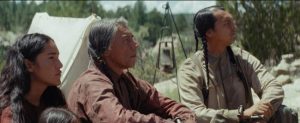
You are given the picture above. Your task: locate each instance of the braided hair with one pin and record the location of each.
(203, 21)
(100, 37)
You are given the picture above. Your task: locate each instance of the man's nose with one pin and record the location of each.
(135, 43)
(234, 26)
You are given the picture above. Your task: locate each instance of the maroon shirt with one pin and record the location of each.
(123, 99)
(33, 112)
(6, 115)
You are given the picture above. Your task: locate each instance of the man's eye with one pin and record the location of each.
(227, 23)
(129, 40)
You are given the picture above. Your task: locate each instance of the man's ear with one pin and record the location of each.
(106, 53)
(209, 33)
(29, 65)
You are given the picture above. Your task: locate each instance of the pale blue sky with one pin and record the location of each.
(176, 6)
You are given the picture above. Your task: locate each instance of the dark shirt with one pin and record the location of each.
(110, 98)
(32, 112)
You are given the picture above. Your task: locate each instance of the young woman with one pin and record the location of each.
(29, 79)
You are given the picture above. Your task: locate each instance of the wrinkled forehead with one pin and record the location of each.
(222, 15)
(123, 31)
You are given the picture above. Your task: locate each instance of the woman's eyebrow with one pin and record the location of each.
(52, 53)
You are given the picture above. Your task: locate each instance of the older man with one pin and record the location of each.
(108, 92)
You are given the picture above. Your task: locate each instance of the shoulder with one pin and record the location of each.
(239, 51)
(92, 76)
(244, 55)
(193, 62)
(91, 85)
(6, 115)
(90, 81)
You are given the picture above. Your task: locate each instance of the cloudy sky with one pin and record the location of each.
(176, 6)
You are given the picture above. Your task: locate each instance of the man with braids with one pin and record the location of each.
(108, 93)
(29, 79)
(216, 82)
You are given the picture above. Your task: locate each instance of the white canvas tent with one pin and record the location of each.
(70, 36)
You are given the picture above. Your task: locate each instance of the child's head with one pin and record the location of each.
(58, 115)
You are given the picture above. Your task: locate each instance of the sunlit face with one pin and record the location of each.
(46, 67)
(225, 27)
(123, 49)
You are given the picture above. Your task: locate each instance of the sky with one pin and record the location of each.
(176, 6)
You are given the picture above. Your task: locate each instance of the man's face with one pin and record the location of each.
(225, 27)
(122, 50)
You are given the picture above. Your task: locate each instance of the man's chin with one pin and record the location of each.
(128, 66)
(131, 65)
(232, 41)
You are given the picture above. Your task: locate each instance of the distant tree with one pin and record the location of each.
(154, 22)
(110, 14)
(155, 17)
(96, 8)
(125, 11)
(181, 22)
(266, 28)
(6, 14)
(139, 11)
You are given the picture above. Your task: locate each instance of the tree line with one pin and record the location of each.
(267, 29)
(16, 16)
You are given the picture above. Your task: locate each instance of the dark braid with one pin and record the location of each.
(100, 36)
(203, 21)
(205, 52)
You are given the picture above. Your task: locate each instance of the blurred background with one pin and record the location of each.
(267, 29)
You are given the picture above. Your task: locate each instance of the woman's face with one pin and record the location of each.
(46, 67)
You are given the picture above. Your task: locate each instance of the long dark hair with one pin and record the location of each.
(203, 21)
(15, 79)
